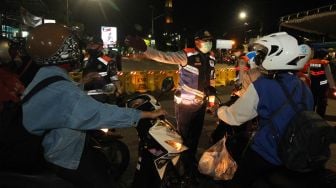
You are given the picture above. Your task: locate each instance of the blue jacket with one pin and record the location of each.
(67, 111)
(272, 98)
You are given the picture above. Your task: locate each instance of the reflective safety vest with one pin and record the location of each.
(196, 75)
(317, 67)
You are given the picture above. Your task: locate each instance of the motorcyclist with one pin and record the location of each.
(63, 112)
(279, 56)
(100, 67)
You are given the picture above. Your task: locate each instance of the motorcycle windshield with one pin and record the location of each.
(167, 137)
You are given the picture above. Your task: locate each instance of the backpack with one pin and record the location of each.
(19, 149)
(304, 146)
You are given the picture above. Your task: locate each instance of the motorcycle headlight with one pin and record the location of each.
(176, 145)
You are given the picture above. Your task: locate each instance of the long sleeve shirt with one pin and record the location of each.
(65, 110)
(178, 58)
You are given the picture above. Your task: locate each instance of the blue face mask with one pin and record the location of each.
(205, 47)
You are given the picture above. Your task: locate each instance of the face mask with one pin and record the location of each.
(205, 47)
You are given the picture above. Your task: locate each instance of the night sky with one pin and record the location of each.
(219, 16)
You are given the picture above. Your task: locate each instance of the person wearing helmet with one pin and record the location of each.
(10, 85)
(279, 57)
(94, 50)
(97, 62)
(63, 112)
(197, 72)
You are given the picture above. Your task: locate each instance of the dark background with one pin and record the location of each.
(134, 16)
(219, 16)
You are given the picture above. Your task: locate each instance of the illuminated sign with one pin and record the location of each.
(109, 36)
(49, 21)
(224, 44)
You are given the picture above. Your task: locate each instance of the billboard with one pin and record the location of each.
(109, 36)
(224, 44)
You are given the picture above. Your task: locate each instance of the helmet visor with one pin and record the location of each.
(261, 53)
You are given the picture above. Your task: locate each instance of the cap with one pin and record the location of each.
(203, 35)
(320, 53)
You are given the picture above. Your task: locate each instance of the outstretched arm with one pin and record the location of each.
(179, 58)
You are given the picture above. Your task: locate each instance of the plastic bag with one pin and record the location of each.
(217, 162)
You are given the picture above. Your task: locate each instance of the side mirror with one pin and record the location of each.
(167, 84)
(109, 88)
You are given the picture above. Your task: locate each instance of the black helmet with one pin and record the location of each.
(203, 35)
(320, 53)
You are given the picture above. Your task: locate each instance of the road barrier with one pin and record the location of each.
(149, 81)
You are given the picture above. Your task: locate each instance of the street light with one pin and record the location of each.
(152, 7)
(242, 16)
(67, 12)
(154, 18)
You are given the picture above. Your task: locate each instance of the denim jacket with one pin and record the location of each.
(65, 110)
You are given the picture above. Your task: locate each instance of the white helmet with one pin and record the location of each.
(280, 51)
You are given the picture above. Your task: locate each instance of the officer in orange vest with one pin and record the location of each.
(321, 80)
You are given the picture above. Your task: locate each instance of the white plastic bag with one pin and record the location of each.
(217, 162)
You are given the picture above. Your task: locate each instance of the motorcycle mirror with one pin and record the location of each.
(167, 84)
(109, 88)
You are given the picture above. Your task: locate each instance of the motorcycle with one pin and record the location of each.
(160, 144)
(238, 137)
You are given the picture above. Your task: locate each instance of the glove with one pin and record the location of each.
(136, 43)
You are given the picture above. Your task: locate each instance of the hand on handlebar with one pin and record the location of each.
(154, 114)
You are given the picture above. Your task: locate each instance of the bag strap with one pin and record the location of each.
(289, 100)
(290, 96)
(44, 83)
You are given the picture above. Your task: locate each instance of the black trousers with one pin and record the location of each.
(320, 94)
(190, 119)
(93, 170)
